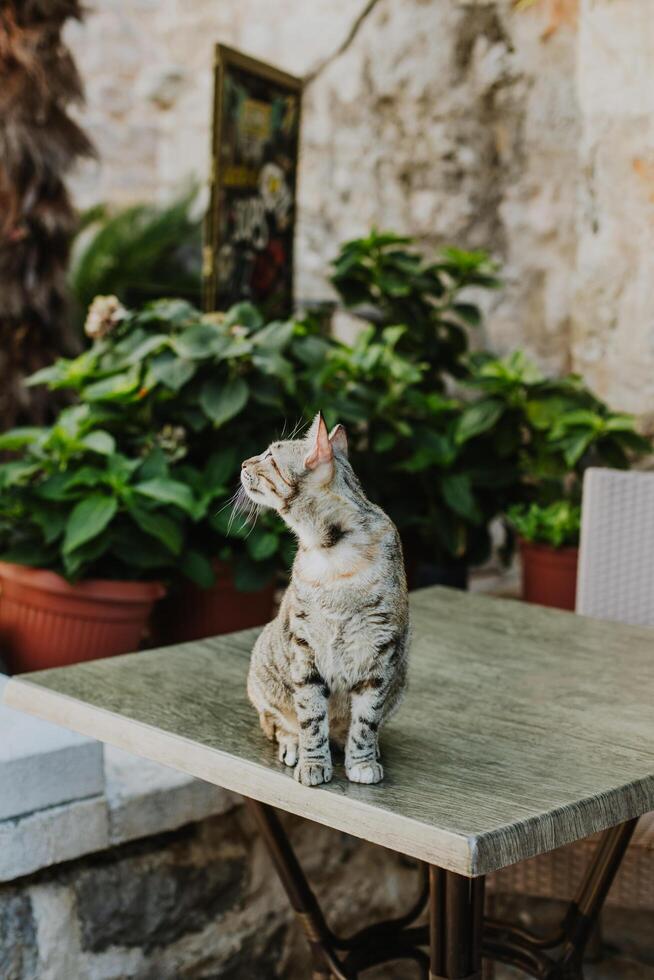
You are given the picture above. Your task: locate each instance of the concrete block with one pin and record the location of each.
(146, 798)
(39, 840)
(42, 765)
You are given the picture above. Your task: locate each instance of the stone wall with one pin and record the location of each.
(523, 130)
(202, 903)
(196, 904)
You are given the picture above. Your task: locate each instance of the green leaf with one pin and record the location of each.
(262, 544)
(170, 370)
(457, 493)
(617, 423)
(55, 487)
(275, 365)
(198, 341)
(118, 387)
(154, 464)
(244, 314)
(75, 562)
(468, 312)
(17, 473)
(100, 442)
(221, 401)
(575, 445)
(168, 491)
(85, 476)
(18, 438)
(158, 526)
(476, 418)
(88, 519)
(52, 523)
(148, 346)
(275, 336)
(198, 568)
(544, 412)
(221, 465)
(47, 375)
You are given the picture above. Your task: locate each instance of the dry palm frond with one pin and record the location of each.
(39, 143)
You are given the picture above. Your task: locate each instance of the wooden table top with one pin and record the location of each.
(523, 729)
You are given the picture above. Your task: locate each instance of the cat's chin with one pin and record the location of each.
(257, 497)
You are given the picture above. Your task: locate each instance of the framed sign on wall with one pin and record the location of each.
(250, 224)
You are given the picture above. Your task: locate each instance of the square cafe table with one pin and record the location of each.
(523, 729)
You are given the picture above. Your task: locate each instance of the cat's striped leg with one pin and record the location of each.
(311, 704)
(362, 747)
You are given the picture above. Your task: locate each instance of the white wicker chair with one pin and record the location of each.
(615, 581)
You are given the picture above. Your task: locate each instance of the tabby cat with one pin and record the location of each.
(333, 663)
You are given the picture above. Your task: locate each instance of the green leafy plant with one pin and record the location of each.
(557, 524)
(137, 253)
(205, 391)
(556, 428)
(383, 277)
(439, 479)
(431, 465)
(74, 503)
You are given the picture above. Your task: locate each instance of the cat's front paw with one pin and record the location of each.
(288, 750)
(313, 773)
(364, 772)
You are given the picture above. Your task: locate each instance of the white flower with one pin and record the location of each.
(105, 312)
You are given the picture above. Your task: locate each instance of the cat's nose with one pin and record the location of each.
(248, 462)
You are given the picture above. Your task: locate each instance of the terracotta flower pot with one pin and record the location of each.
(193, 613)
(549, 575)
(47, 622)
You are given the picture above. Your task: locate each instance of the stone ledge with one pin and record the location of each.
(146, 798)
(43, 765)
(61, 799)
(51, 836)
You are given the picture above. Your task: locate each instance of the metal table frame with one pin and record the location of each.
(458, 936)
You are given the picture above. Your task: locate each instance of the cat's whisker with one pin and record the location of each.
(231, 501)
(238, 508)
(256, 517)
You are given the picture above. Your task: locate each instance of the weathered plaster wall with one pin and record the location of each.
(613, 333)
(453, 121)
(524, 131)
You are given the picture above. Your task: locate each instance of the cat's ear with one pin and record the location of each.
(338, 439)
(320, 450)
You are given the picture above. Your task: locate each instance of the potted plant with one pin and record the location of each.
(384, 279)
(427, 454)
(548, 537)
(88, 535)
(556, 428)
(208, 390)
(421, 455)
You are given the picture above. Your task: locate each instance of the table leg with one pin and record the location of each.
(302, 899)
(457, 932)
(585, 909)
(456, 915)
